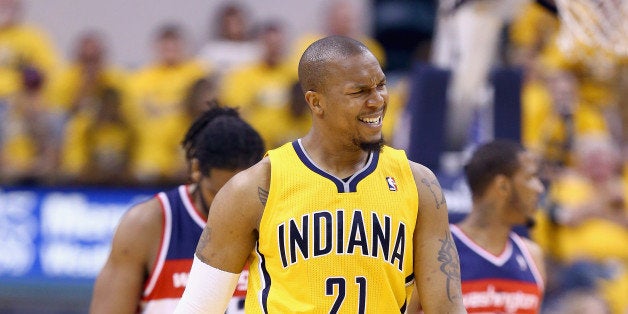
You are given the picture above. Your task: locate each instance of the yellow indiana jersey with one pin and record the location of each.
(328, 245)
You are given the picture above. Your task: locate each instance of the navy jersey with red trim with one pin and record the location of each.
(508, 283)
(182, 227)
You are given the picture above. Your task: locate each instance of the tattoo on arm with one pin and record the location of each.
(437, 191)
(263, 195)
(202, 243)
(450, 266)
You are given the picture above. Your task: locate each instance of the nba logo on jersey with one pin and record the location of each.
(392, 185)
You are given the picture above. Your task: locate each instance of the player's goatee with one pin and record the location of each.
(372, 146)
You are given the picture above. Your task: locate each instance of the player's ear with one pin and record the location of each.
(313, 100)
(195, 171)
(503, 183)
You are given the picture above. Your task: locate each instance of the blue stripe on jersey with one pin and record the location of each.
(371, 165)
(343, 187)
(185, 231)
(313, 167)
(409, 279)
(266, 275)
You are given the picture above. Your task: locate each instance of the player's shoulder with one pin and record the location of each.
(249, 185)
(535, 250)
(538, 257)
(256, 175)
(138, 233)
(421, 171)
(142, 221)
(247, 192)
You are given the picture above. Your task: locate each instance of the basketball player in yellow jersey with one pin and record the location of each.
(334, 222)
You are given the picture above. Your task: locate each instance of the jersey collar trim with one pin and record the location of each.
(186, 198)
(498, 260)
(351, 184)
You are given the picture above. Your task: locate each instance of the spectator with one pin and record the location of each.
(28, 154)
(233, 44)
(108, 141)
(88, 75)
(82, 89)
(262, 89)
(579, 301)
(156, 109)
(340, 17)
(199, 96)
(588, 217)
(531, 31)
(22, 45)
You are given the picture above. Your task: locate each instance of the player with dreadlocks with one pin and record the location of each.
(154, 244)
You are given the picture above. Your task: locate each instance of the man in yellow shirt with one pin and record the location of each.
(262, 90)
(348, 233)
(156, 108)
(588, 221)
(21, 45)
(79, 92)
(340, 18)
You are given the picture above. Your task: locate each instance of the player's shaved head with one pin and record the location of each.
(314, 66)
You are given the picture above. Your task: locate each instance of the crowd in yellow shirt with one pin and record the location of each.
(100, 123)
(572, 106)
(87, 121)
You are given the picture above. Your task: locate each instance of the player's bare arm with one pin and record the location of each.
(436, 262)
(119, 285)
(231, 231)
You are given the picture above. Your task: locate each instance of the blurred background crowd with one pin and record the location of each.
(84, 120)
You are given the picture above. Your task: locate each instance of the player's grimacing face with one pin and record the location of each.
(356, 98)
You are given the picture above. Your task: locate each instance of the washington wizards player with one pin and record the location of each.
(154, 244)
(501, 272)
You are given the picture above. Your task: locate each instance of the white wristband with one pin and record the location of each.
(208, 289)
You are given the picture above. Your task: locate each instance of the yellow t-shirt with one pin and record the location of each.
(596, 88)
(545, 131)
(24, 44)
(262, 94)
(87, 145)
(19, 148)
(533, 26)
(28, 129)
(156, 111)
(596, 239)
(536, 107)
(65, 87)
(327, 245)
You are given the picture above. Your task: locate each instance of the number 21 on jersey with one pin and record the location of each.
(337, 287)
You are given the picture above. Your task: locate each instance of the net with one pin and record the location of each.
(599, 25)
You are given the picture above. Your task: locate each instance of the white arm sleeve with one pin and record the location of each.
(208, 290)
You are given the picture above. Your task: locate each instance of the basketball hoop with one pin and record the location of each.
(595, 32)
